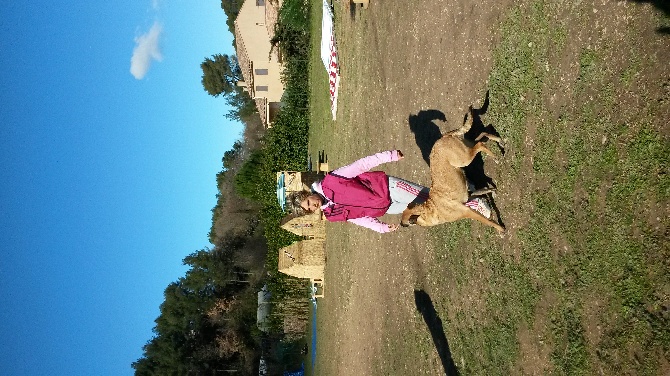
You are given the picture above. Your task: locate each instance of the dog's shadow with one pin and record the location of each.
(474, 172)
(425, 306)
(426, 133)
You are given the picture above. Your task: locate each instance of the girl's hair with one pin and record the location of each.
(293, 201)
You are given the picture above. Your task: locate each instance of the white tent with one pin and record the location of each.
(329, 55)
(263, 311)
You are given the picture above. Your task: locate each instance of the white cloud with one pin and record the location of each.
(147, 48)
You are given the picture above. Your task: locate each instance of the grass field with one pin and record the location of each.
(587, 272)
(580, 284)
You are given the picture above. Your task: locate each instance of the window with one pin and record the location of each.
(261, 72)
(262, 88)
(260, 2)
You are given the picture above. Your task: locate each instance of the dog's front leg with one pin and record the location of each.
(482, 192)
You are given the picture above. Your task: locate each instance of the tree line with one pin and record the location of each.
(207, 321)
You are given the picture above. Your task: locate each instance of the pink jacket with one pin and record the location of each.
(367, 195)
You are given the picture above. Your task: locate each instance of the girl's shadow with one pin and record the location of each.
(425, 306)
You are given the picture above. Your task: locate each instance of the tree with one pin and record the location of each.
(242, 105)
(220, 75)
(230, 157)
(246, 180)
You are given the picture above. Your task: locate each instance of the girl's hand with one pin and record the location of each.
(393, 227)
(400, 156)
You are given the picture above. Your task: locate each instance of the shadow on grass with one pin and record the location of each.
(426, 133)
(425, 306)
(475, 170)
(662, 5)
(352, 10)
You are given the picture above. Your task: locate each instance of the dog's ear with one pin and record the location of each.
(411, 205)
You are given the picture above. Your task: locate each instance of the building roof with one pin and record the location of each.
(243, 57)
(261, 105)
(272, 15)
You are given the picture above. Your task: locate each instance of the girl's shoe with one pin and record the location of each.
(480, 205)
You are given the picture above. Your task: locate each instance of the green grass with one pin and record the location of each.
(321, 122)
(588, 229)
(571, 356)
(594, 180)
(628, 74)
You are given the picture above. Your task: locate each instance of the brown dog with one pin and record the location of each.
(448, 191)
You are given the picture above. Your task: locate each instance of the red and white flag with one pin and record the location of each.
(329, 55)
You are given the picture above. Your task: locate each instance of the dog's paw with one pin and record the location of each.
(502, 144)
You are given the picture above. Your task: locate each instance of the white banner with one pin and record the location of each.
(329, 55)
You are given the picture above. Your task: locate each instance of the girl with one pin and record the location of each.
(355, 194)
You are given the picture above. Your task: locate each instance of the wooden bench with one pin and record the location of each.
(318, 285)
(322, 167)
(362, 2)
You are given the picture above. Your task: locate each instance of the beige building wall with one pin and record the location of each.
(263, 66)
(304, 259)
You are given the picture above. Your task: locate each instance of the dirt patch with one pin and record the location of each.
(398, 58)
(409, 71)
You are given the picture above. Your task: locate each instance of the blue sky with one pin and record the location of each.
(109, 147)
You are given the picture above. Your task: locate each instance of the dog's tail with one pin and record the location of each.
(467, 124)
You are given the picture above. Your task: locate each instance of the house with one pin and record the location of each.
(309, 227)
(261, 67)
(304, 259)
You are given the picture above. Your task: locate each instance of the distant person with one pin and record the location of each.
(355, 194)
